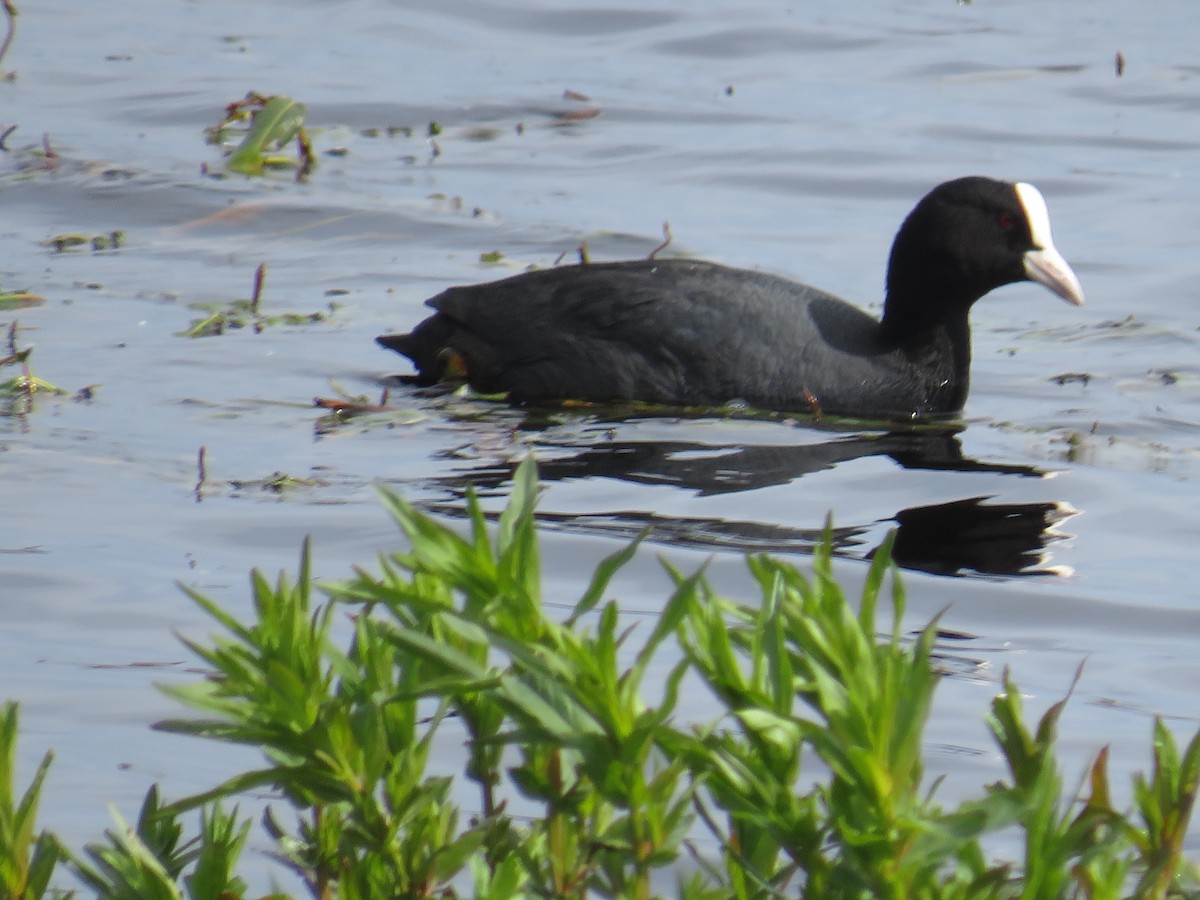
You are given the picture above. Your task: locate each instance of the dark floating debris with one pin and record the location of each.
(1165, 376)
(1073, 378)
(201, 473)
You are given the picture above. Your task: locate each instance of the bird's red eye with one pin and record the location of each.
(1004, 220)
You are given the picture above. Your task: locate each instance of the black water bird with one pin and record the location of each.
(693, 333)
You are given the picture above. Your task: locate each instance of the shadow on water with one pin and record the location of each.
(965, 536)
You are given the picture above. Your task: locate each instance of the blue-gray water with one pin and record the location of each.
(793, 139)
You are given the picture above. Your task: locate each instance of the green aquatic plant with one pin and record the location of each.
(152, 861)
(267, 125)
(243, 313)
(18, 391)
(576, 777)
(27, 857)
(62, 243)
(10, 300)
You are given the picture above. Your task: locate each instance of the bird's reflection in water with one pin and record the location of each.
(975, 536)
(964, 536)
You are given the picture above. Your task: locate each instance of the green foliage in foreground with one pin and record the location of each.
(576, 777)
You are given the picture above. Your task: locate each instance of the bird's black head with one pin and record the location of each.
(965, 238)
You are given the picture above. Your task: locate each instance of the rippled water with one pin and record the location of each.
(1055, 526)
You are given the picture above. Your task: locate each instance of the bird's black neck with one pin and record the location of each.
(935, 341)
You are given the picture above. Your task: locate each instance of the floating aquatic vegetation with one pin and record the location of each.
(10, 300)
(344, 407)
(243, 313)
(18, 391)
(61, 243)
(266, 125)
(275, 483)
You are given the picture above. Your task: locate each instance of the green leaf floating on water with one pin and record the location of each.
(10, 300)
(279, 121)
(28, 384)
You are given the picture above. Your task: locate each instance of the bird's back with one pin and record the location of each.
(666, 331)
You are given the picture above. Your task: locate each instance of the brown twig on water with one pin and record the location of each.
(813, 403)
(259, 275)
(666, 241)
(4, 136)
(10, 16)
(50, 160)
(574, 115)
(12, 338)
(351, 405)
(202, 472)
(308, 159)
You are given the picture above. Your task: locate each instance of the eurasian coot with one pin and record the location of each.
(686, 332)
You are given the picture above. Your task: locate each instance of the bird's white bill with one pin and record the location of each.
(1047, 267)
(1044, 264)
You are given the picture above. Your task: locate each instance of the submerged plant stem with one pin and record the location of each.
(260, 275)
